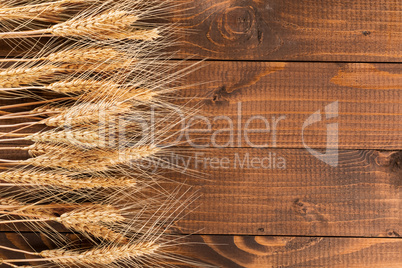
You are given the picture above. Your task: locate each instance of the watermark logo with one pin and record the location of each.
(331, 156)
(136, 129)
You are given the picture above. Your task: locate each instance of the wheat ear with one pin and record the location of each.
(22, 208)
(38, 149)
(98, 231)
(45, 11)
(92, 161)
(85, 55)
(81, 138)
(15, 77)
(86, 114)
(101, 255)
(113, 24)
(91, 214)
(57, 180)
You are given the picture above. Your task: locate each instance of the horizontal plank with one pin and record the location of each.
(290, 30)
(261, 251)
(287, 192)
(281, 252)
(279, 98)
(253, 104)
(290, 192)
(327, 30)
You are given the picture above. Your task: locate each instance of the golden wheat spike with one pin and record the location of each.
(81, 138)
(15, 77)
(49, 11)
(112, 24)
(101, 256)
(33, 178)
(86, 114)
(91, 214)
(92, 89)
(85, 55)
(92, 161)
(98, 231)
(22, 208)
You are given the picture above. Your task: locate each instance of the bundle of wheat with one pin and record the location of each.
(97, 112)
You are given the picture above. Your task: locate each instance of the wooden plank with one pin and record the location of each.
(327, 30)
(280, 97)
(261, 251)
(286, 30)
(251, 192)
(296, 252)
(289, 192)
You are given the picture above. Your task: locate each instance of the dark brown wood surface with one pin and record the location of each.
(364, 31)
(288, 58)
(259, 251)
(290, 192)
(285, 95)
(287, 30)
(246, 191)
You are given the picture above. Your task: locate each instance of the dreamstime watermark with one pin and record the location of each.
(167, 130)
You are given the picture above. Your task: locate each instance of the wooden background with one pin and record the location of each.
(292, 58)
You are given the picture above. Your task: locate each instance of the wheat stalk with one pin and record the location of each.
(86, 220)
(22, 208)
(92, 161)
(45, 11)
(91, 214)
(58, 180)
(99, 26)
(85, 214)
(86, 114)
(82, 138)
(113, 24)
(99, 231)
(38, 149)
(85, 55)
(101, 255)
(92, 90)
(102, 89)
(48, 109)
(15, 77)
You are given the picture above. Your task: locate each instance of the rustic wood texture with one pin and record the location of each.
(325, 30)
(260, 251)
(279, 206)
(287, 94)
(290, 30)
(289, 192)
(360, 197)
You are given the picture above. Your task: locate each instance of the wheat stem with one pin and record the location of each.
(19, 250)
(48, 179)
(101, 256)
(112, 24)
(92, 161)
(19, 105)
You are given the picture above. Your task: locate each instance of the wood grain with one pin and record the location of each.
(297, 252)
(285, 95)
(288, 192)
(284, 30)
(261, 251)
(327, 30)
(250, 192)
(276, 99)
